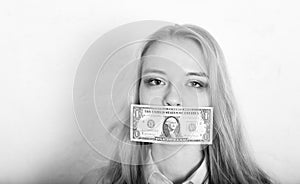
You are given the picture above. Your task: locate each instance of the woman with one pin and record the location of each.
(184, 66)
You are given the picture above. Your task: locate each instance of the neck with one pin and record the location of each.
(177, 162)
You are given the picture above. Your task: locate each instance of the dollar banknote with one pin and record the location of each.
(171, 125)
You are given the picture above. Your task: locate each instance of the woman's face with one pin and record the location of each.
(170, 77)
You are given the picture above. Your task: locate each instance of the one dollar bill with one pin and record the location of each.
(171, 125)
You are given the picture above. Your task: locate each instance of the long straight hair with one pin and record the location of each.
(228, 158)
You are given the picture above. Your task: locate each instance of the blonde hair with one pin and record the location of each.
(228, 159)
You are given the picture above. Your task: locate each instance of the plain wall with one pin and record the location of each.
(42, 43)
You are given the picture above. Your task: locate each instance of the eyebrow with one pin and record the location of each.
(200, 74)
(154, 71)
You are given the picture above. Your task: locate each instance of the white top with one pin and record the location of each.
(154, 176)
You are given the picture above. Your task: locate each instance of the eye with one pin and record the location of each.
(197, 84)
(154, 82)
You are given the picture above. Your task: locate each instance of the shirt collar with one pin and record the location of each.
(153, 174)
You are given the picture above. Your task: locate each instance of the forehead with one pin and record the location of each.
(186, 54)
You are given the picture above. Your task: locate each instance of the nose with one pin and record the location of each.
(172, 97)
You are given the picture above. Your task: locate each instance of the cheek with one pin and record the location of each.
(150, 97)
(204, 99)
(196, 98)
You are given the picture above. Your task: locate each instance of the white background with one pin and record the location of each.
(41, 45)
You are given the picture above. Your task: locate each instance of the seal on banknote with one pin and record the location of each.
(150, 123)
(192, 127)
